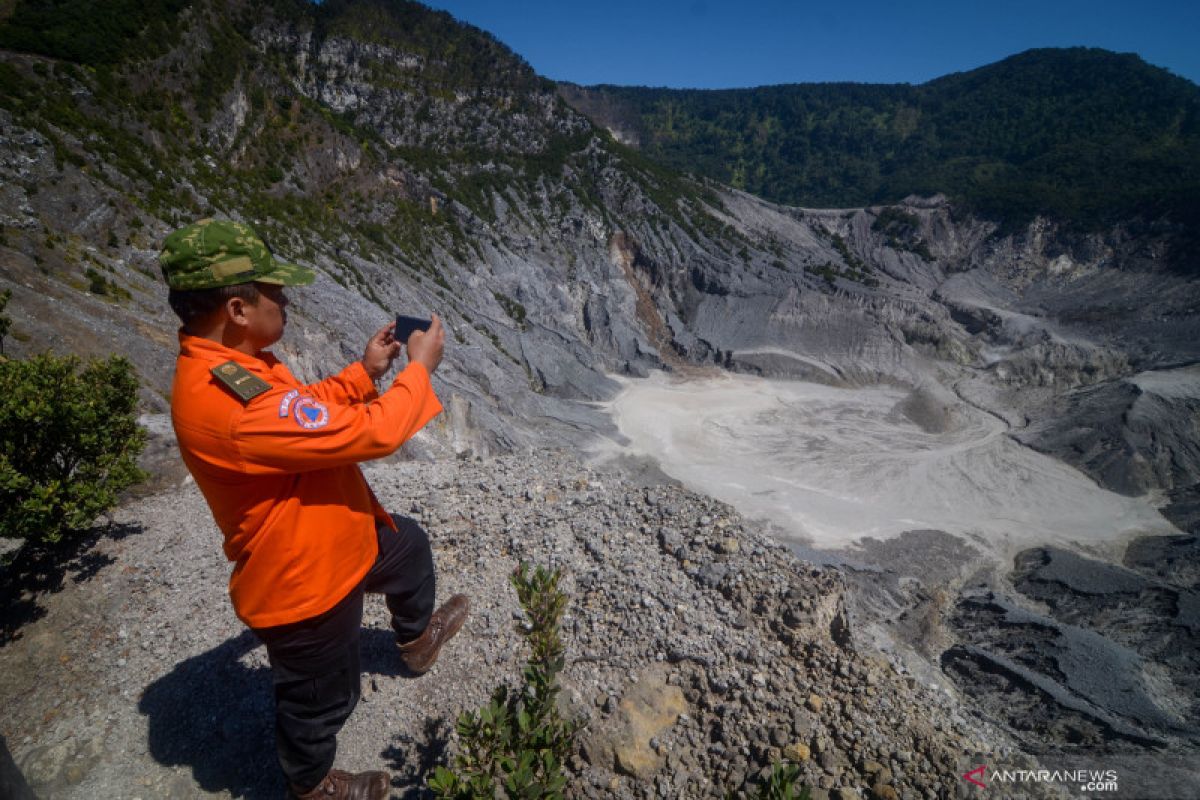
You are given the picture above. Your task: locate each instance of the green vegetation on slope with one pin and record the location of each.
(148, 117)
(103, 32)
(453, 54)
(214, 122)
(88, 31)
(1081, 135)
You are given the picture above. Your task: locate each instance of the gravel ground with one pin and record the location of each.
(699, 652)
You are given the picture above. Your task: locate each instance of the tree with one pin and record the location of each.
(69, 442)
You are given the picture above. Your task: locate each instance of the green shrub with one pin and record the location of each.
(96, 282)
(69, 441)
(514, 747)
(103, 287)
(902, 229)
(781, 784)
(852, 261)
(897, 222)
(514, 310)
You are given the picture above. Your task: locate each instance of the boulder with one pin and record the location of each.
(648, 710)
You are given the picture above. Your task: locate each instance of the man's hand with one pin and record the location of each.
(426, 346)
(381, 351)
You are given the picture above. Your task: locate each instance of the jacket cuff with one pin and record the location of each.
(419, 372)
(357, 375)
(420, 382)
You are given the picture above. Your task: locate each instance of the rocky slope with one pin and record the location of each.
(699, 652)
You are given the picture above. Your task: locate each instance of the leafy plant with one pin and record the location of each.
(515, 746)
(69, 442)
(781, 784)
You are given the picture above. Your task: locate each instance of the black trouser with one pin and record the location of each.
(314, 662)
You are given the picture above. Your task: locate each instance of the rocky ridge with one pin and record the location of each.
(699, 652)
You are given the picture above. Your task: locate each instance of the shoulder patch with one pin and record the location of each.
(285, 402)
(240, 381)
(310, 413)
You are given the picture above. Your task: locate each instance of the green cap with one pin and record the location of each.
(218, 252)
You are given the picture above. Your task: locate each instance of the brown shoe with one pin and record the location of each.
(339, 785)
(419, 654)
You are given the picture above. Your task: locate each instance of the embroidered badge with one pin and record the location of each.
(310, 414)
(285, 403)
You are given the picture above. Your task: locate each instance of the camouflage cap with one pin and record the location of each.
(217, 252)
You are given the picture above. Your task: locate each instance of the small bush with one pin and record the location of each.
(96, 282)
(781, 784)
(896, 221)
(514, 310)
(515, 746)
(103, 287)
(69, 442)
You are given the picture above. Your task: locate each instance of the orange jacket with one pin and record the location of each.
(281, 477)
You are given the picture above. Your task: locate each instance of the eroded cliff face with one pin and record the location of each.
(557, 256)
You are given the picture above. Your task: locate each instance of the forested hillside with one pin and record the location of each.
(1080, 135)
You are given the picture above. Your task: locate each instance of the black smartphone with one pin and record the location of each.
(405, 326)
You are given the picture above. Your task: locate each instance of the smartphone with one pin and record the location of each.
(405, 326)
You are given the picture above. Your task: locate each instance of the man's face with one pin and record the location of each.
(266, 319)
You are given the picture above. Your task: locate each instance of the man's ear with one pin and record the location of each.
(235, 311)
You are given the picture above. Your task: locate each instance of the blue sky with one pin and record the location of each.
(714, 44)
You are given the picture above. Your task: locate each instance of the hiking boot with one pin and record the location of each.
(419, 654)
(340, 785)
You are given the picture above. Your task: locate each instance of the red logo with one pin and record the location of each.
(977, 771)
(310, 414)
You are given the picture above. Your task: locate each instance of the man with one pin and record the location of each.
(277, 463)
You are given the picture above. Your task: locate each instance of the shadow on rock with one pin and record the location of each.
(412, 759)
(214, 714)
(39, 569)
(12, 782)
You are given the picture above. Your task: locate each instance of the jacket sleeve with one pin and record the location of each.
(351, 385)
(295, 432)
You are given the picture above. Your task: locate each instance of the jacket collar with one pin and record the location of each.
(216, 353)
